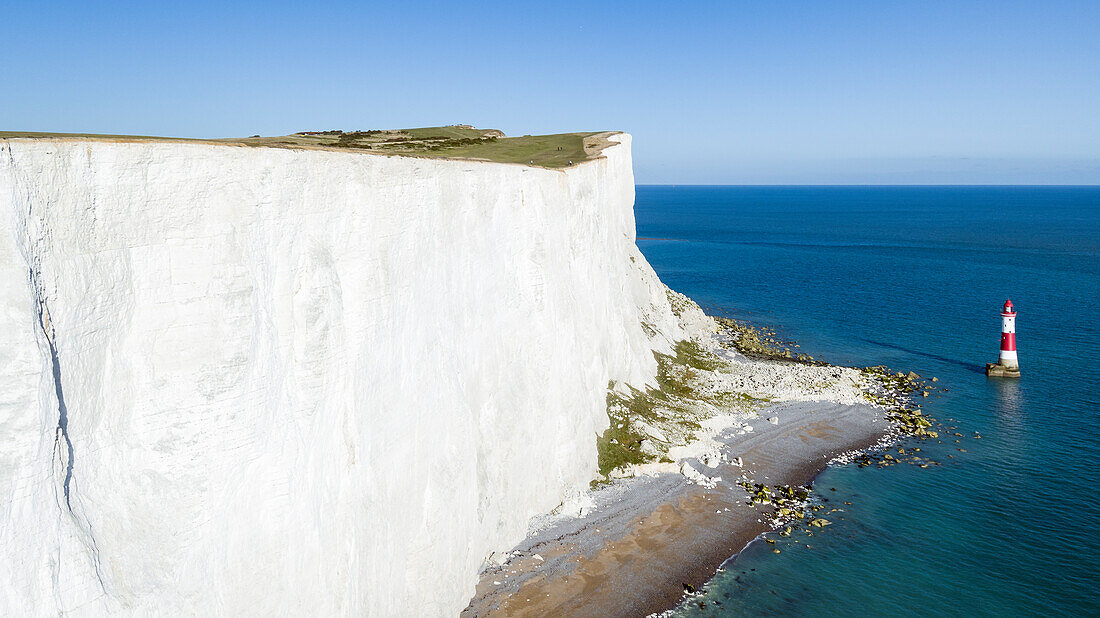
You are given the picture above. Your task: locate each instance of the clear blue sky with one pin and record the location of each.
(724, 92)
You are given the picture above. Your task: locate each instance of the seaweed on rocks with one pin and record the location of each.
(791, 506)
(894, 391)
(762, 343)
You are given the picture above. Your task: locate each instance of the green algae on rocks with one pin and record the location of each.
(894, 391)
(761, 343)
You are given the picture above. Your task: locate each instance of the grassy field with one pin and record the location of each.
(455, 131)
(545, 150)
(450, 142)
(463, 142)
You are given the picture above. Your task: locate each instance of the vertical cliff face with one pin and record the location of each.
(253, 380)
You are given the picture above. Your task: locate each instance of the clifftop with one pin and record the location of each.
(449, 142)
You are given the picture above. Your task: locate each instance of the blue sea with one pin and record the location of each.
(914, 278)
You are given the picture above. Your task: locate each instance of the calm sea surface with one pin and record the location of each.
(914, 278)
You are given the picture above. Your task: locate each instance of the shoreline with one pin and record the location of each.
(643, 541)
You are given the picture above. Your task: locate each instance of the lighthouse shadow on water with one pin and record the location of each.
(1007, 365)
(968, 365)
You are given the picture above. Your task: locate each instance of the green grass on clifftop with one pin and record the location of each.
(450, 142)
(463, 142)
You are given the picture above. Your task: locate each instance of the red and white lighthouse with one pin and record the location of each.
(1008, 337)
(1007, 364)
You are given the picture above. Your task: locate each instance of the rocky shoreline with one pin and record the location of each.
(657, 529)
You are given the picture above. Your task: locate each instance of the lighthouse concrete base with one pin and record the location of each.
(997, 370)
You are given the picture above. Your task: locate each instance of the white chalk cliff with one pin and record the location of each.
(260, 381)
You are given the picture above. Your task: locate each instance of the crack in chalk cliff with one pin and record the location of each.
(62, 431)
(33, 237)
(65, 453)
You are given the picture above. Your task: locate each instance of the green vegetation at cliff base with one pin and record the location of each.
(646, 423)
